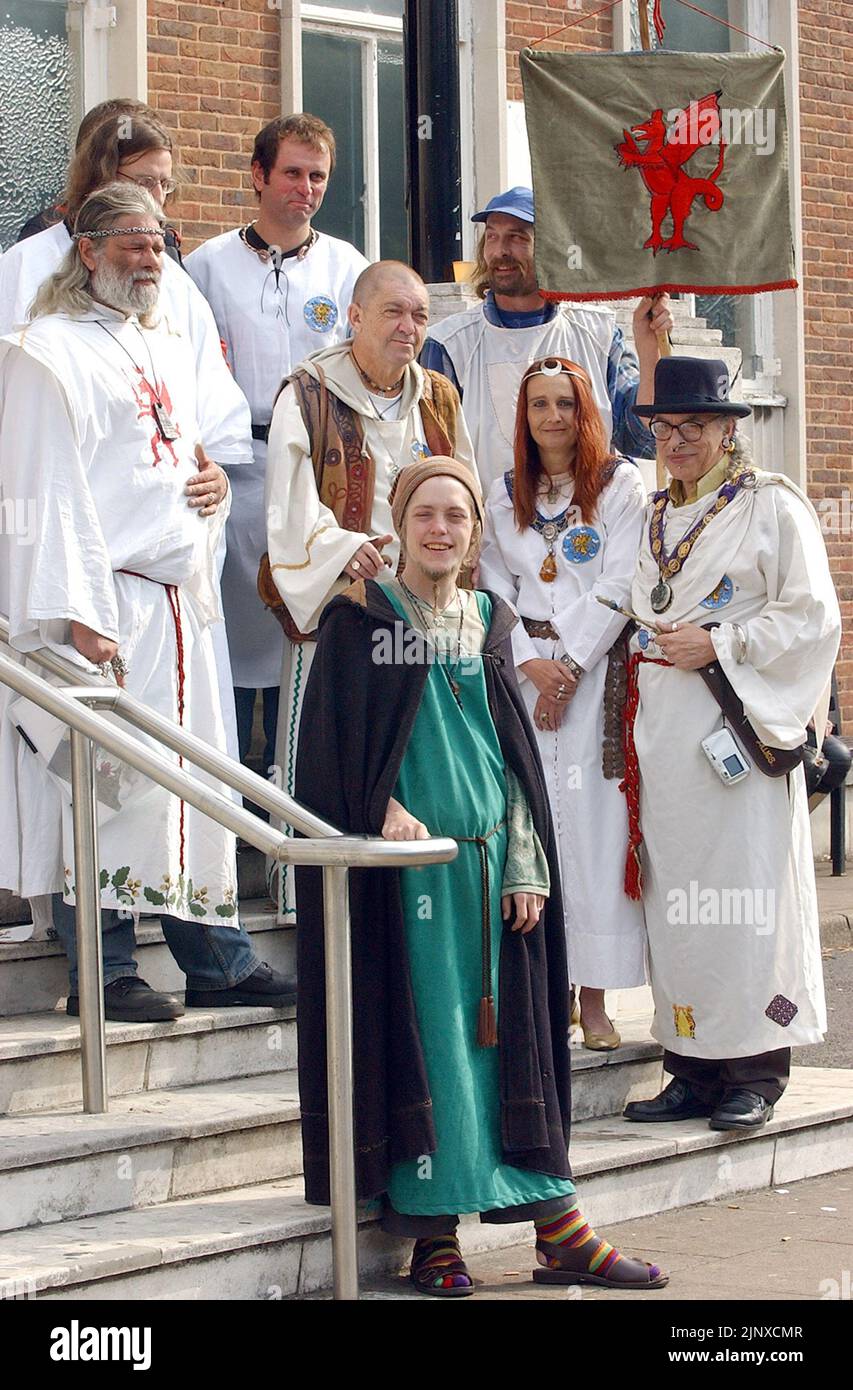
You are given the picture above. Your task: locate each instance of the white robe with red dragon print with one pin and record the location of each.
(114, 546)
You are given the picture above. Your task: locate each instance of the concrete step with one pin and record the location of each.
(34, 975)
(148, 1150)
(263, 1242)
(40, 1066)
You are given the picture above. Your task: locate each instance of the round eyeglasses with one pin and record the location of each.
(149, 183)
(691, 431)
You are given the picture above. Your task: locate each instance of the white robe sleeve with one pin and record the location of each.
(464, 447)
(224, 417)
(64, 572)
(587, 629)
(792, 644)
(496, 575)
(307, 548)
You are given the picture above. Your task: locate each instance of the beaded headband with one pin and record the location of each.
(118, 231)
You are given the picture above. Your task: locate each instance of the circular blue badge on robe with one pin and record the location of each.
(418, 450)
(321, 313)
(719, 597)
(580, 544)
(644, 638)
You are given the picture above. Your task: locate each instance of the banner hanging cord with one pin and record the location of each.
(687, 5)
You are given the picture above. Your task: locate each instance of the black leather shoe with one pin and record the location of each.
(265, 988)
(131, 1000)
(677, 1102)
(741, 1109)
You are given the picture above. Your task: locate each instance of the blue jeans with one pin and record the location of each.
(244, 700)
(210, 957)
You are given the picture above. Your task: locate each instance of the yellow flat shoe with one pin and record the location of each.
(601, 1042)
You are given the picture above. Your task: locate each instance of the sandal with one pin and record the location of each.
(436, 1266)
(640, 1273)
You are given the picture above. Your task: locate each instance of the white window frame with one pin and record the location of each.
(92, 20)
(369, 29)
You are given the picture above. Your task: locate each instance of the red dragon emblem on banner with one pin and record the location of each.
(661, 162)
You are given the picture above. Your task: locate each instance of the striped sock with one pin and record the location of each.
(439, 1262)
(568, 1232)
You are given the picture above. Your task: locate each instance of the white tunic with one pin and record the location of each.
(308, 549)
(222, 409)
(77, 435)
(267, 331)
(489, 362)
(729, 896)
(604, 928)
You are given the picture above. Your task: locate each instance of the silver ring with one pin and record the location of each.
(675, 627)
(356, 565)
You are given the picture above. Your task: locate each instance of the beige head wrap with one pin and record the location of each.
(410, 478)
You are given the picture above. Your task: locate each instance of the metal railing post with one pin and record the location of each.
(339, 1050)
(90, 969)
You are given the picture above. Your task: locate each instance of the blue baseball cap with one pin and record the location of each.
(516, 202)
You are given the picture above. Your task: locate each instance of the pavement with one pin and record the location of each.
(786, 1243)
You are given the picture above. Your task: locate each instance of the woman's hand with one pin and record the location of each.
(687, 646)
(368, 560)
(551, 678)
(528, 909)
(399, 825)
(209, 486)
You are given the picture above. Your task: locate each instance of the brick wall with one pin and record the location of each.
(526, 24)
(213, 74)
(826, 96)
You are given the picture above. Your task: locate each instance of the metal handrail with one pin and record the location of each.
(327, 846)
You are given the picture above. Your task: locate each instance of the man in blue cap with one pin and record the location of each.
(485, 350)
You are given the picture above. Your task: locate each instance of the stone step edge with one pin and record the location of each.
(254, 915)
(139, 1244)
(620, 1143)
(47, 1033)
(193, 1022)
(137, 1122)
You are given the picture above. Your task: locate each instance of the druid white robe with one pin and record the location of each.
(267, 330)
(115, 547)
(490, 360)
(729, 894)
(308, 549)
(604, 928)
(222, 410)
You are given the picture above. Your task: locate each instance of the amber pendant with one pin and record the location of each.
(548, 572)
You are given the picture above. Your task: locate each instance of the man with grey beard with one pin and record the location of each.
(99, 423)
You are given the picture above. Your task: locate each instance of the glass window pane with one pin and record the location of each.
(331, 89)
(380, 7)
(689, 32)
(40, 82)
(393, 227)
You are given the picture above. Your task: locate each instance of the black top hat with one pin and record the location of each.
(684, 385)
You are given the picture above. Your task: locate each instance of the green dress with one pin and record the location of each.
(460, 796)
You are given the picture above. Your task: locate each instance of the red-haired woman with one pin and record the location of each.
(563, 527)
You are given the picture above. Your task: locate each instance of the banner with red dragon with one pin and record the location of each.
(658, 171)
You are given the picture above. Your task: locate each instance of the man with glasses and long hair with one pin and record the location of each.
(732, 581)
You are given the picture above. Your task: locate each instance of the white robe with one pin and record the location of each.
(266, 334)
(729, 897)
(223, 413)
(77, 438)
(489, 362)
(308, 549)
(604, 928)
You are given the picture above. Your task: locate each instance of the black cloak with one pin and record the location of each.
(357, 719)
